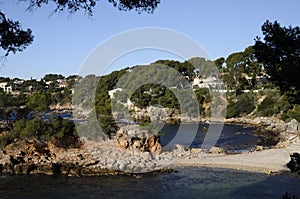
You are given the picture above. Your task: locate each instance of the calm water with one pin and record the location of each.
(186, 183)
(234, 138)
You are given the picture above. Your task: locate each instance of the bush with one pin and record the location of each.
(294, 113)
(243, 106)
(5, 139)
(36, 128)
(267, 107)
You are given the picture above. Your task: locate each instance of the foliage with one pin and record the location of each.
(103, 101)
(140, 5)
(12, 37)
(6, 101)
(220, 63)
(88, 5)
(62, 97)
(280, 55)
(244, 105)
(240, 69)
(267, 108)
(36, 128)
(294, 113)
(184, 68)
(52, 77)
(203, 96)
(32, 85)
(38, 102)
(273, 104)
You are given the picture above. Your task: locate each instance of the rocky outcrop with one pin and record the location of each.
(148, 144)
(216, 150)
(155, 114)
(132, 137)
(290, 134)
(90, 159)
(272, 131)
(293, 127)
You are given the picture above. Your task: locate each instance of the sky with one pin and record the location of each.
(62, 42)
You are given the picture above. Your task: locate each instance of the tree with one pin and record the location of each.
(220, 63)
(38, 102)
(53, 77)
(13, 38)
(280, 55)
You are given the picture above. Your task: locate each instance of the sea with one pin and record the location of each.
(185, 182)
(233, 138)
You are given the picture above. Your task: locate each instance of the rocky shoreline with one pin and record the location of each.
(275, 132)
(128, 154)
(30, 157)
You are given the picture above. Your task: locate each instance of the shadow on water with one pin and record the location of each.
(185, 183)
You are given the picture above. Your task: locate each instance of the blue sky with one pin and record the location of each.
(63, 41)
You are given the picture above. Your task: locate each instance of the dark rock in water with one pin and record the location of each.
(56, 168)
(294, 163)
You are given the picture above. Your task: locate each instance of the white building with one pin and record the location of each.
(112, 92)
(5, 87)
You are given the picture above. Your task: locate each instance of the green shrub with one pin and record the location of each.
(267, 107)
(243, 106)
(36, 128)
(5, 139)
(294, 113)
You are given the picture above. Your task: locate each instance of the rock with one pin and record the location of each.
(196, 150)
(137, 143)
(132, 137)
(216, 150)
(258, 148)
(180, 148)
(290, 133)
(154, 145)
(122, 167)
(123, 143)
(292, 127)
(8, 168)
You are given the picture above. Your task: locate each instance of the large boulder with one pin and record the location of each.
(216, 150)
(132, 137)
(292, 127)
(149, 144)
(289, 134)
(154, 145)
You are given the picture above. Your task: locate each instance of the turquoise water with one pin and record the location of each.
(184, 183)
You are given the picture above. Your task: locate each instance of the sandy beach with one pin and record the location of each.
(265, 161)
